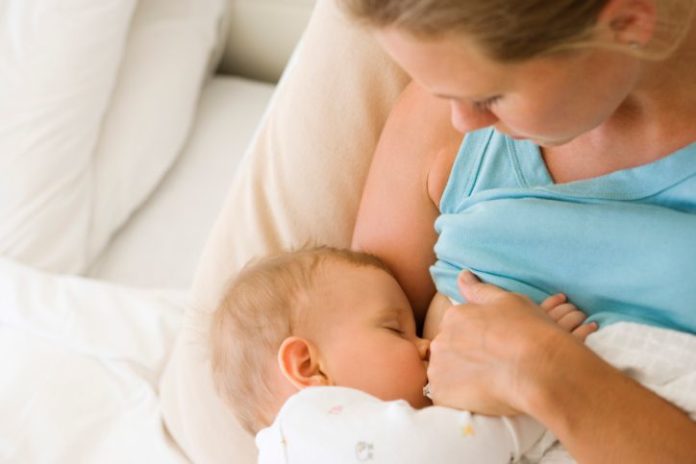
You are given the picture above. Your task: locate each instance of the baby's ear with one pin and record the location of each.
(299, 362)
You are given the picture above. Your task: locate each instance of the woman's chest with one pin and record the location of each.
(589, 157)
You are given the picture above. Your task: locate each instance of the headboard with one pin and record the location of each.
(261, 35)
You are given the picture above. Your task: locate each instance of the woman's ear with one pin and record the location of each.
(630, 22)
(299, 362)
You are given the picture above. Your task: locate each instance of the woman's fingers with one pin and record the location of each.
(568, 317)
(565, 315)
(553, 301)
(571, 319)
(557, 313)
(584, 330)
(477, 292)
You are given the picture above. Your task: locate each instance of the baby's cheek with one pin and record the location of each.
(413, 380)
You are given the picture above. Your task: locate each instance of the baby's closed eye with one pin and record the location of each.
(394, 327)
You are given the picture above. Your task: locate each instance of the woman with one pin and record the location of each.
(600, 86)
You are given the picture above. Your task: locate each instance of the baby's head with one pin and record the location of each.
(314, 317)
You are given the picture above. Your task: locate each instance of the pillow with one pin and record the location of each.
(300, 181)
(170, 47)
(58, 65)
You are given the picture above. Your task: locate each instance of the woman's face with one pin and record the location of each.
(548, 100)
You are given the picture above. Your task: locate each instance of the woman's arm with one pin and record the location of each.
(602, 416)
(496, 355)
(399, 204)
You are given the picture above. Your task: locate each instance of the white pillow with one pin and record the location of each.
(58, 63)
(170, 47)
(301, 180)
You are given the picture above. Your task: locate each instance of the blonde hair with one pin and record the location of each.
(261, 307)
(516, 30)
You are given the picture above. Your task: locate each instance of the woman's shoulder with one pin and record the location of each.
(440, 169)
(422, 139)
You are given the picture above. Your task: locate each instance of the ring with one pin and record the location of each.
(426, 391)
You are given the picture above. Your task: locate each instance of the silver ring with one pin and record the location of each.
(426, 391)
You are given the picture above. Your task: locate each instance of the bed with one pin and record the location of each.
(139, 170)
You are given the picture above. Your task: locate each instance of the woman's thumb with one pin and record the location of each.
(475, 291)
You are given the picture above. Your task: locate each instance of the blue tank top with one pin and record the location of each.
(622, 246)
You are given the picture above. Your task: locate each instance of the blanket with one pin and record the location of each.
(80, 363)
(662, 360)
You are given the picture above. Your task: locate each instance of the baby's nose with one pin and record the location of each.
(423, 348)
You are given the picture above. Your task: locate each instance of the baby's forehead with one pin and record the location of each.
(338, 282)
(339, 274)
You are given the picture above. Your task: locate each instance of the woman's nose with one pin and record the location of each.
(466, 118)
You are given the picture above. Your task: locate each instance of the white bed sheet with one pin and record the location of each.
(81, 358)
(80, 364)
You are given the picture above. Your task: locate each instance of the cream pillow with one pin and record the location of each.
(58, 66)
(300, 181)
(168, 54)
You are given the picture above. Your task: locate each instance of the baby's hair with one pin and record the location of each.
(518, 30)
(261, 307)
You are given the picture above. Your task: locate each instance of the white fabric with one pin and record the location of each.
(81, 359)
(169, 48)
(340, 425)
(343, 426)
(161, 244)
(662, 360)
(58, 66)
(80, 363)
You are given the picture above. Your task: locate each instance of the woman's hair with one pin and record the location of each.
(516, 30)
(266, 303)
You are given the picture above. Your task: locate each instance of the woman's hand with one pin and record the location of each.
(567, 316)
(490, 349)
(501, 354)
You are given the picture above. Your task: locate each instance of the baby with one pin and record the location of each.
(327, 317)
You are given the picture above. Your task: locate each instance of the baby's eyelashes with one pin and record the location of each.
(394, 327)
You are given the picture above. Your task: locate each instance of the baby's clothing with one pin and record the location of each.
(341, 425)
(620, 246)
(338, 425)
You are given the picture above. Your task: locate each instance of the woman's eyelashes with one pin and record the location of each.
(487, 104)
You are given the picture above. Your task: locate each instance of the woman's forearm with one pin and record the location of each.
(602, 416)
(500, 354)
